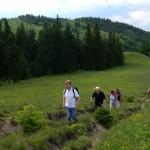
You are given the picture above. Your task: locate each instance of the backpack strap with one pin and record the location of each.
(74, 93)
(64, 91)
(72, 90)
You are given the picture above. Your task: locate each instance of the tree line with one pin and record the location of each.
(133, 38)
(56, 50)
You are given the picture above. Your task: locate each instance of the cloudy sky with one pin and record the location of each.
(135, 12)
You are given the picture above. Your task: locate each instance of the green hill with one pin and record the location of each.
(15, 23)
(132, 37)
(137, 58)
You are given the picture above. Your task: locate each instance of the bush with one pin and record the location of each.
(77, 129)
(30, 118)
(130, 99)
(104, 117)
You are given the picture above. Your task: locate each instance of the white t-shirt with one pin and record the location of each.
(70, 99)
(112, 99)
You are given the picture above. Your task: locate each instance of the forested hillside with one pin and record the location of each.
(36, 46)
(55, 49)
(133, 38)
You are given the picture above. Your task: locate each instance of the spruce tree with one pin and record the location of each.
(45, 52)
(70, 52)
(146, 48)
(99, 53)
(87, 56)
(13, 64)
(110, 50)
(2, 45)
(78, 47)
(119, 58)
(59, 61)
(21, 40)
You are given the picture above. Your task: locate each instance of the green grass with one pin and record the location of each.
(130, 134)
(46, 94)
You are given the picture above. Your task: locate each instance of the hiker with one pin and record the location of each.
(99, 97)
(70, 101)
(118, 97)
(113, 100)
(148, 92)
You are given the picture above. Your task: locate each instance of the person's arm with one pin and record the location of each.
(64, 100)
(104, 99)
(77, 97)
(92, 98)
(77, 100)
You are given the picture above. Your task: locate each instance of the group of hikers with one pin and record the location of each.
(71, 99)
(100, 100)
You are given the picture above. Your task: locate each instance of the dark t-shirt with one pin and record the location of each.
(99, 98)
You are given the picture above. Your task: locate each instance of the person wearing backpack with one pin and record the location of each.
(118, 97)
(70, 101)
(113, 100)
(99, 98)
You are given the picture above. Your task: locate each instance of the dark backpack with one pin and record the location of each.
(73, 88)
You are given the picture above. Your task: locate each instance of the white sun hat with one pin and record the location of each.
(97, 88)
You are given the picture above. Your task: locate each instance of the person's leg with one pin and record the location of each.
(118, 104)
(102, 106)
(118, 101)
(111, 106)
(114, 105)
(95, 107)
(68, 114)
(73, 112)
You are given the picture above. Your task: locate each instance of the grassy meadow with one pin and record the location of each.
(46, 94)
(132, 133)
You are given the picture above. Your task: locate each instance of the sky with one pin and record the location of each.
(134, 12)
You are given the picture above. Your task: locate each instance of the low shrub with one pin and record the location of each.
(104, 117)
(77, 129)
(130, 99)
(30, 118)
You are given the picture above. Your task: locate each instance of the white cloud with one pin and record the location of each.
(129, 11)
(76, 5)
(140, 18)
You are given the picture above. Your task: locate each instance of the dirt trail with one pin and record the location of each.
(7, 127)
(100, 131)
(97, 135)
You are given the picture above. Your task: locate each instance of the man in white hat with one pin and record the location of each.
(99, 97)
